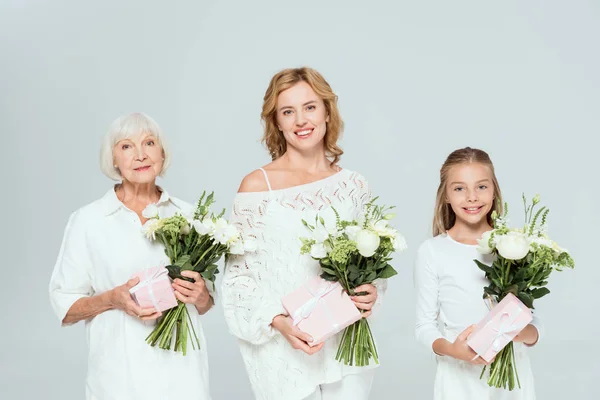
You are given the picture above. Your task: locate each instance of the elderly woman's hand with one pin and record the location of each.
(194, 293)
(121, 299)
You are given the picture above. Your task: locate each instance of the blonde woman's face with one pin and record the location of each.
(470, 192)
(139, 158)
(302, 117)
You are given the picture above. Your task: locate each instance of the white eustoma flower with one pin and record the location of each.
(558, 249)
(367, 242)
(320, 234)
(484, 243)
(399, 243)
(317, 250)
(225, 233)
(382, 229)
(150, 228)
(352, 231)
(151, 211)
(513, 245)
(237, 247)
(205, 227)
(541, 241)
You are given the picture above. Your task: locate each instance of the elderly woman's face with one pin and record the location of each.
(139, 158)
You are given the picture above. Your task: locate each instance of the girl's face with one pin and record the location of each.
(470, 193)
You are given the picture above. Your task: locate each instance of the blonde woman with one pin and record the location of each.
(302, 127)
(450, 286)
(102, 248)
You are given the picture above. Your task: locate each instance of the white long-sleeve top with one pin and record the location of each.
(254, 284)
(449, 288)
(103, 246)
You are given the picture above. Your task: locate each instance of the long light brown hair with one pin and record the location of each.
(444, 217)
(273, 139)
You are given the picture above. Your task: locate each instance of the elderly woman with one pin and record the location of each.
(103, 246)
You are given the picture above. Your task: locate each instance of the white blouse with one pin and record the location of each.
(254, 284)
(103, 246)
(449, 288)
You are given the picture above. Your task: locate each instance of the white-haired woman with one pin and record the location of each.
(102, 248)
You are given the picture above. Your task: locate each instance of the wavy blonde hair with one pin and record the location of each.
(273, 139)
(444, 217)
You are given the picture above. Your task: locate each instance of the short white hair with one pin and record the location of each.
(126, 127)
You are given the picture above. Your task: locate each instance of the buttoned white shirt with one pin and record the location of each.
(103, 246)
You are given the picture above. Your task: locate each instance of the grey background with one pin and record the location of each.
(416, 79)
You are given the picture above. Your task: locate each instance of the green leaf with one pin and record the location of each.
(184, 262)
(387, 272)
(328, 277)
(175, 273)
(485, 268)
(526, 298)
(539, 292)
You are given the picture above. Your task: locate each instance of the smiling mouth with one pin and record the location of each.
(142, 169)
(304, 133)
(473, 210)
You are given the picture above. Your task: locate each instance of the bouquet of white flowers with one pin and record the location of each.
(192, 243)
(525, 258)
(355, 253)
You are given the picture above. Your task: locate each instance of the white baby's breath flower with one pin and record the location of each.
(367, 242)
(151, 211)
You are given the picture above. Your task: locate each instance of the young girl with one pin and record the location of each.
(450, 285)
(302, 126)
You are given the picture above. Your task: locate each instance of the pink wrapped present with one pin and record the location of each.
(154, 289)
(321, 309)
(499, 327)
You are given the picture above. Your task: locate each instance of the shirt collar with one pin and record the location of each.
(111, 203)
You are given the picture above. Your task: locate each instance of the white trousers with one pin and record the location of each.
(351, 387)
(458, 380)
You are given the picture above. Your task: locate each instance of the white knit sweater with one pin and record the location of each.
(254, 284)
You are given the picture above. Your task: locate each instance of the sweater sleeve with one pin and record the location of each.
(248, 301)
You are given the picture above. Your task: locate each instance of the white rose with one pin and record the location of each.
(237, 247)
(512, 246)
(367, 242)
(317, 250)
(484, 247)
(399, 243)
(151, 211)
(352, 231)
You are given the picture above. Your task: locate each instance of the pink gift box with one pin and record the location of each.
(499, 327)
(154, 289)
(321, 309)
